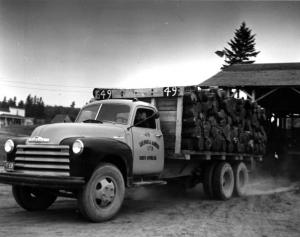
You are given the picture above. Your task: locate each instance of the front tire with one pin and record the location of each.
(223, 181)
(33, 199)
(240, 172)
(103, 195)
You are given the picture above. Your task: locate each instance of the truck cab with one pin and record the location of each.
(133, 122)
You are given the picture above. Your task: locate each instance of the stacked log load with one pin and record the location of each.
(213, 121)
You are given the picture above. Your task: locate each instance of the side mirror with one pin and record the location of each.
(156, 115)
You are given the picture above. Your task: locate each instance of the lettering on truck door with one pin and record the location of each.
(148, 144)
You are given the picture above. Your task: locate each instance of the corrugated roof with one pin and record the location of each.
(266, 74)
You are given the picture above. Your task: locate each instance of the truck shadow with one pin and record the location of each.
(62, 211)
(144, 199)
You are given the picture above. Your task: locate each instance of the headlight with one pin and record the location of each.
(9, 146)
(77, 147)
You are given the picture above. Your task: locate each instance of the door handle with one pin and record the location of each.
(158, 135)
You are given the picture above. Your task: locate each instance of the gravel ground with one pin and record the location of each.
(267, 210)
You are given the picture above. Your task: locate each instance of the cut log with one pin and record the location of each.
(214, 122)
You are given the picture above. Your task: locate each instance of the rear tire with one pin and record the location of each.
(33, 199)
(223, 181)
(208, 180)
(241, 177)
(103, 195)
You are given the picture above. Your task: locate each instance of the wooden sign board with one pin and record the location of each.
(105, 93)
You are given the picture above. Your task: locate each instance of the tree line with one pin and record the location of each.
(35, 107)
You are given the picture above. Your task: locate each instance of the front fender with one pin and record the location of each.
(97, 150)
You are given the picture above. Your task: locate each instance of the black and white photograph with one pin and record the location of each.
(149, 118)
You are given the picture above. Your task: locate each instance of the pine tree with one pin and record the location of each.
(21, 104)
(15, 101)
(11, 102)
(242, 47)
(28, 106)
(4, 103)
(72, 104)
(40, 108)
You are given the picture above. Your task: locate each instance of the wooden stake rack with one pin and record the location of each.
(178, 106)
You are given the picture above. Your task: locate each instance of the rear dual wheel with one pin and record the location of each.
(241, 177)
(221, 180)
(208, 179)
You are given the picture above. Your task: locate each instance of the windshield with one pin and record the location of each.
(88, 112)
(117, 113)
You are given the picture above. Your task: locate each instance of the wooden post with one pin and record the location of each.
(252, 163)
(153, 102)
(178, 125)
(227, 93)
(253, 96)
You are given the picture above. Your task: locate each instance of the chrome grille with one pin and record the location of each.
(50, 160)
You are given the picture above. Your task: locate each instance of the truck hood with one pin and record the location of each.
(59, 131)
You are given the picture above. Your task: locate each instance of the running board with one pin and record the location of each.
(148, 183)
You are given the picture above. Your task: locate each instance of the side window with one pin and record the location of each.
(141, 120)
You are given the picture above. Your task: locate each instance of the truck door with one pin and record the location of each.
(148, 144)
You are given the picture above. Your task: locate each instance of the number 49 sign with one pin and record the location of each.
(102, 94)
(171, 91)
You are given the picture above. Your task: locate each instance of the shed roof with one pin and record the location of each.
(253, 75)
(11, 116)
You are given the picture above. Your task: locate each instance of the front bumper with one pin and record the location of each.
(41, 181)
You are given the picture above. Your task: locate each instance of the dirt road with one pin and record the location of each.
(166, 211)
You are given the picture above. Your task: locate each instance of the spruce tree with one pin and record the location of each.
(21, 104)
(242, 47)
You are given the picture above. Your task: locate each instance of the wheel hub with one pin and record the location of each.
(105, 192)
(227, 182)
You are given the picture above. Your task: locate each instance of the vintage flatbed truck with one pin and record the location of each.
(119, 141)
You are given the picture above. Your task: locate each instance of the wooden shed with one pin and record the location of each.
(274, 86)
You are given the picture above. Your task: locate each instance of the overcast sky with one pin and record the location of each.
(61, 50)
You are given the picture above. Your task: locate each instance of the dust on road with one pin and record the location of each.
(165, 211)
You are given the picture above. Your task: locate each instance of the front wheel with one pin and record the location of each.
(103, 195)
(33, 199)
